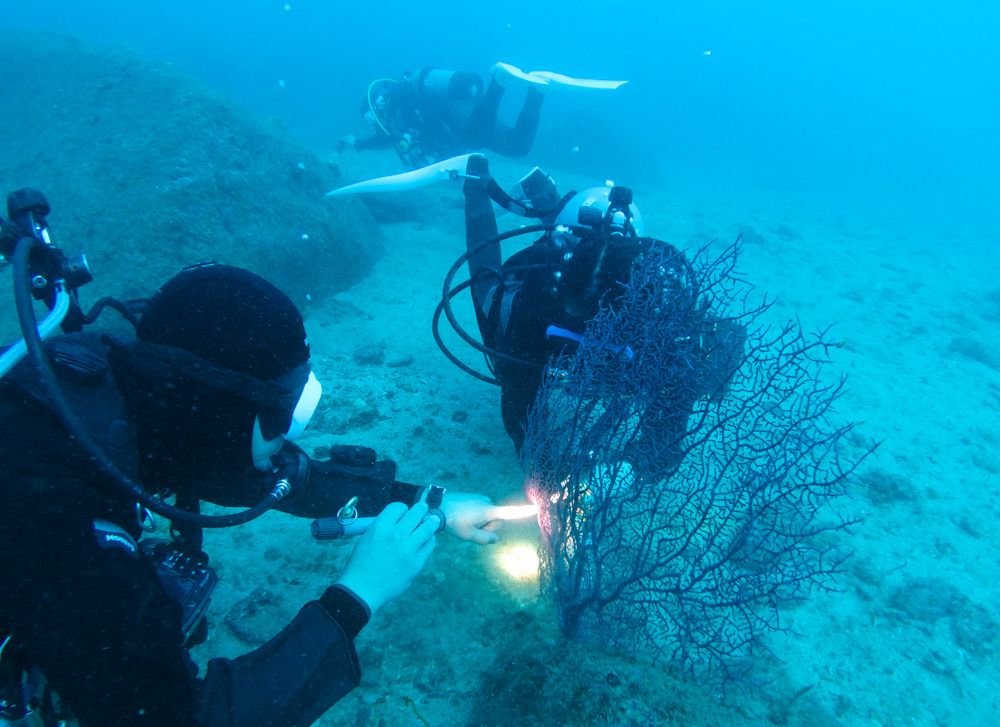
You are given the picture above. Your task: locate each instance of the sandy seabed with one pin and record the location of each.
(911, 639)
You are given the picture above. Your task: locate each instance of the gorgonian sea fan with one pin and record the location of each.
(685, 460)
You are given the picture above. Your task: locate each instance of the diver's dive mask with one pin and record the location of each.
(274, 425)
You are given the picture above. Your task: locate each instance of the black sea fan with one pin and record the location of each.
(684, 460)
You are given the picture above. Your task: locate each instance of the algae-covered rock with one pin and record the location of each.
(148, 170)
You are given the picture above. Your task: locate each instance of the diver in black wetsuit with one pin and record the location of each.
(437, 114)
(201, 405)
(537, 303)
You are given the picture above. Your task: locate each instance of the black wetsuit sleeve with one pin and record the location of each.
(293, 678)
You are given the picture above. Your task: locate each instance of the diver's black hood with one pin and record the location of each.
(186, 430)
(229, 317)
(210, 346)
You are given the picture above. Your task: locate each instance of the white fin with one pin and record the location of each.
(505, 74)
(448, 170)
(561, 80)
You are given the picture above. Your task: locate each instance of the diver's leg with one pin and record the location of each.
(483, 119)
(517, 141)
(480, 226)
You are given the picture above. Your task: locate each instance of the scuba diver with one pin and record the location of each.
(536, 304)
(436, 113)
(202, 404)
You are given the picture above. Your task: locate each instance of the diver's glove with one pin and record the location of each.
(390, 554)
(347, 142)
(470, 517)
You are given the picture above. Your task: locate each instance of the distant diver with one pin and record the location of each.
(437, 113)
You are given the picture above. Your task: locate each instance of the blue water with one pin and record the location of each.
(887, 109)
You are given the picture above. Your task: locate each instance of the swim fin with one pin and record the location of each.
(505, 74)
(557, 79)
(449, 169)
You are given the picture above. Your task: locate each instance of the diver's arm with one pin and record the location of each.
(293, 678)
(108, 638)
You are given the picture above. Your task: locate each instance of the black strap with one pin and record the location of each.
(167, 359)
(435, 494)
(498, 195)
